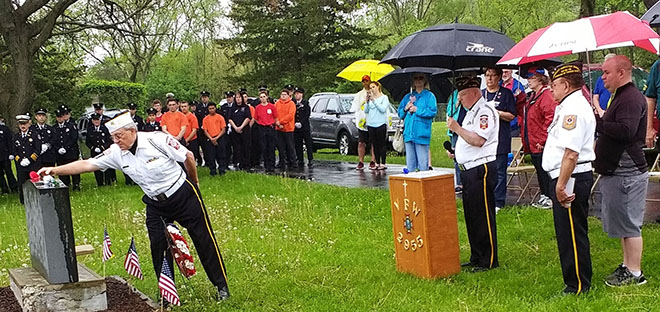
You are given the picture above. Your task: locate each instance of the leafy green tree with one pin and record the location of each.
(303, 42)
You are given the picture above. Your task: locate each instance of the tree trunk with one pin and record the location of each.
(19, 89)
(22, 91)
(587, 7)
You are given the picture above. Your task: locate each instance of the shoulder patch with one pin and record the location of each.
(569, 122)
(171, 141)
(483, 122)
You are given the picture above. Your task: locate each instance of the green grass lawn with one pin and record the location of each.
(438, 155)
(292, 245)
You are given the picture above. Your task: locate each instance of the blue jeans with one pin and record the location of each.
(417, 156)
(500, 187)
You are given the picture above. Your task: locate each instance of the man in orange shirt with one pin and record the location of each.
(190, 136)
(286, 114)
(174, 122)
(214, 129)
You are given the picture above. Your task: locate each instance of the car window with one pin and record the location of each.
(320, 106)
(312, 101)
(333, 105)
(346, 103)
(82, 124)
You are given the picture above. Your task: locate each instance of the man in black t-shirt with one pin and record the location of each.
(505, 103)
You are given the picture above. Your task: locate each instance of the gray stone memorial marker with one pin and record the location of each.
(53, 283)
(50, 231)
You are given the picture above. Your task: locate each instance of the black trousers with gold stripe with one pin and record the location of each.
(186, 207)
(572, 230)
(479, 209)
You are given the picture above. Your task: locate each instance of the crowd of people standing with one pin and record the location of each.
(243, 132)
(569, 138)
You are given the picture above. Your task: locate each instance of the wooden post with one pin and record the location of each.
(425, 224)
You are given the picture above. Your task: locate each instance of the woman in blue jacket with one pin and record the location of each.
(417, 109)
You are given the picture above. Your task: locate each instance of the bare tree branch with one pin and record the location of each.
(47, 28)
(29, 7)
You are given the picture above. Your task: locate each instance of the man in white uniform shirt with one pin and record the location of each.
(171, 193)
(476, 150)
(567, 154)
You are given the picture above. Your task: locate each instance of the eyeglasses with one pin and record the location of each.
(419, 78)
(118, 136)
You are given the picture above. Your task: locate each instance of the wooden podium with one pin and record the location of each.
(425, 224)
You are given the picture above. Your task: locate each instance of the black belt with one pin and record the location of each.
(162, 196)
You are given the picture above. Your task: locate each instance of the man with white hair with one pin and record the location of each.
(171, 193)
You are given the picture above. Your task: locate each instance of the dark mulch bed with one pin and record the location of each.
(120, 298)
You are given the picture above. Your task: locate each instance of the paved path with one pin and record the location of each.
(344, 174)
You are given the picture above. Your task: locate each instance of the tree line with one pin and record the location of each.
(51, 49)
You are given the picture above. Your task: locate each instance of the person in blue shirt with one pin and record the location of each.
(601, 95)
(417, 109)
(518, 90)
(456, 111)
(505, 103)
(376, 110)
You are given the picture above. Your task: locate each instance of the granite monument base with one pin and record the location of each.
(35, 294)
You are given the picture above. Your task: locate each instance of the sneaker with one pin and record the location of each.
(547, 204)
(616, 272)
(372, 165)
(360, 166)
(624, 277)
(497, 209)
(544, 202)
(458, 190)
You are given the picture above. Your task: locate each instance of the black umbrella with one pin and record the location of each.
(398, 82)
(450, 46)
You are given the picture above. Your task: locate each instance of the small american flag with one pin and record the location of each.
(166, 285)
(107, 253)
(132, 262)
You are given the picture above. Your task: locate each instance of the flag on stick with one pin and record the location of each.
(107, 253)
(166, 284)
(132, 262)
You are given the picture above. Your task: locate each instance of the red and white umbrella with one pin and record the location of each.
(620, 29)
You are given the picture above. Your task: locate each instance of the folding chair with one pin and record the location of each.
(654, 176)
(518, 168)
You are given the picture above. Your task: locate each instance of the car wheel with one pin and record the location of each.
(344, 143)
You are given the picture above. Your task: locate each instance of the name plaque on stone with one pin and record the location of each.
(50, 231)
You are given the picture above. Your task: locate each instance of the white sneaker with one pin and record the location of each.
(547, 203)
(497, 209)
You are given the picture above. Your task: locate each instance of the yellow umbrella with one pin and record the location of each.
(355, 71)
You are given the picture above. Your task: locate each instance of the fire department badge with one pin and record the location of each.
(173, 143)
(483, 122)
(569, 122)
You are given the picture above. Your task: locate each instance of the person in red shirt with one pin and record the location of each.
(158, 107)
(174, 122)
(214, 127)
(190, 136)
(538, 114)
(286, 112)
(265, 116)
